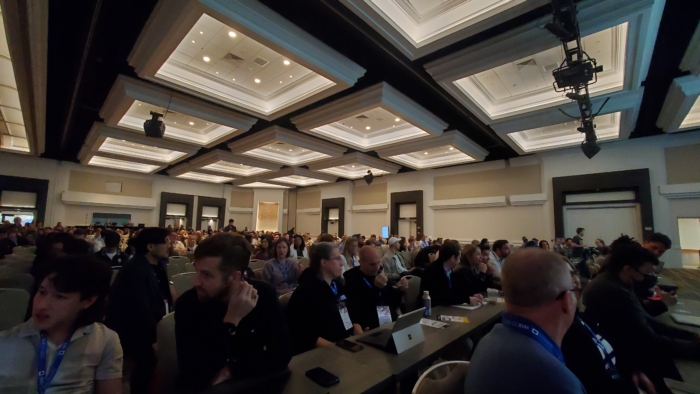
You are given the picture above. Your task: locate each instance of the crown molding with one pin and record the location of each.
(369, 208)
(356, 158)
(680, 191)
(454, 138)
(681, 97)
(691, 59)
(240, 210)
(222, 155)
(460, 203)
(107, 200)
(528, 199)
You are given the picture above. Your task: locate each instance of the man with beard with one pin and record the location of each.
(228, 328)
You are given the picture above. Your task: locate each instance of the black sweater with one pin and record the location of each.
(435, 281)
(363, 300)
(260, 345)
(313, 312)
(469, 281)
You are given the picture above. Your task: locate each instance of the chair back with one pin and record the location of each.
(13, 304)
(189, 267)
(256, 264)
(258, 273)
(183, 282)
(178, 259)
(284, 300)
(432, 257)
(414, 253)
(410, 297)
(406, 256)
(17, 281)
(173, 268)
(190, 255)
(15, 268)
(25, 249)
(382, 251)
(167, 353)
(304, 261)
(20, 258)
(452, 381)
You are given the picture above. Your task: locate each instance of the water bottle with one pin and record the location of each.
(426, 304)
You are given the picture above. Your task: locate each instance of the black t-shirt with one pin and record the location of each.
(364, 298)
(577, 252)
(163, 282)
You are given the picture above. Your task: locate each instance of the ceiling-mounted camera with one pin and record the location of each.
(154, 127)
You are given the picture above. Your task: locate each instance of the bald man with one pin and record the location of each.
(370, 301)
(523, 354)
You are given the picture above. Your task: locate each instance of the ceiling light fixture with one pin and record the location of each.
(451, 148)
(206, 58)
(193, 41)
(367, 127)
(280, 81)
(425, 153)
(286, 62)
(201, 32)
(233, 79)
(217, 72)
(257, 80)
(353, 166)
(397, 119)
(290, 76)
(191, 123)
(290, 150)
(231, 34)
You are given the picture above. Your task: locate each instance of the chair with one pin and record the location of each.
(190, 255)
(178, 259)
(407, 259)
(167, 353)
(304, 261)
(182, 282)
(174, 268)
(414, 254)
(256, 264)
(13, 304)
(382, 251)
(451, 383)
(410, 297)
(20, 258)
(284, 300)
(258, 274)
(432, 257)
(189, 267)
(17, 281)
(15, 268)
(25, 249)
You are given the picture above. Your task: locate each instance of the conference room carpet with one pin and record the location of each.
(688, 281)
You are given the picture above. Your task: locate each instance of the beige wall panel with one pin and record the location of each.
(502, 182)
(370, 194)
(90, 182)
(682, 164)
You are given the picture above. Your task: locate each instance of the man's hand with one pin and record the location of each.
(476, 299)
(490, 268)
(483, 267)
(402, 285)
(242, 300)
(642, 382)
(380, 280)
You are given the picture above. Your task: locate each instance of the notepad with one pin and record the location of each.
(433, 323)
(686, 319)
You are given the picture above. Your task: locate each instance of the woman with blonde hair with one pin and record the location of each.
(350, 255)
(473, 275)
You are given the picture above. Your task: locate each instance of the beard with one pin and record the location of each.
(221, 294)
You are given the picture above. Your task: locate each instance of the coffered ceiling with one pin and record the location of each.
(355, 166)
(450, 148)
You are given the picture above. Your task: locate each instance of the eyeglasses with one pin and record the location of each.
(575, 290)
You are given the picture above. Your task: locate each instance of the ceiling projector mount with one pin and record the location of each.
(576, 72)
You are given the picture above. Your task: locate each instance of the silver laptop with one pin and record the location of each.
(686, 319)
(405, 334)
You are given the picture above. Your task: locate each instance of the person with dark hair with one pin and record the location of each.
(641, 343)
(422, 259)
(298, 248)
(499, 252)
(282, 272)
(227, 327)
(543, 244)
(438, 279)
(63, 347)
(111, 254)
(316, 312)
(264, 250)
(577, 244)
(326, 238)
(48, 248)
(473, 275)
(657, 244)
(139, 298)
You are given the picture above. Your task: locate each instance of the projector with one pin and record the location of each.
(154, 127)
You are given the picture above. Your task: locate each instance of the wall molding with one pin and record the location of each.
(240, 210)
(682, 190)
(99, 200)
(369, 208)
(478, 202)
(310, 211)
(528, 199)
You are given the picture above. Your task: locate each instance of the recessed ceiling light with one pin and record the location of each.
(231, 34)
(217, 72)
(290, 76)
(139, 105)
(193, 41)
(206, 58)
(367, 127)
(290, 150)
(201, 32)
(353, 166)
(351, 127)
(191, 123)
(280, 81)
(451, 148)
(393, 125)
(175, 122)
(397, 119)
(425, 153)
(286, 62)
(233, 79)
(257, 80)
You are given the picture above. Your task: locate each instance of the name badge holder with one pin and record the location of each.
(342, 309)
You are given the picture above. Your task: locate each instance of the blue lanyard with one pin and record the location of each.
(284, 271)
(43, 380)
(334, 288)
(610, 367)
(532, 330)
(367, 282)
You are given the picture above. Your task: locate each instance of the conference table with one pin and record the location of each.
(371, 370)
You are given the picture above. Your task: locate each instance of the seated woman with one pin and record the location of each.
(544, 244)
(472, 274)
(263, 252)
(316, 312)
(282, 272)
(350, 256)
(298, 248)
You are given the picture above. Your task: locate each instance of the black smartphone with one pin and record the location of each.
(349, 346)
(322, 377)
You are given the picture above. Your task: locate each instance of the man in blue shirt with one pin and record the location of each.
(523, 354)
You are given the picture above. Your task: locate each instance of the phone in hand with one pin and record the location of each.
(349, 346)
(322, 377)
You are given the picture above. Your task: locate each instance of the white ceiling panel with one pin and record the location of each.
(355, 166)
(451, 148)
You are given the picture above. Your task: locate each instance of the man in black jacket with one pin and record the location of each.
(422, 259)
(641, 343)
(111, 254)
(139, 298)
(227, 328)
(437, 279)
(230, 226)
(370, 301)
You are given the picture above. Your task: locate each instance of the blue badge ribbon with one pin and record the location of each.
(44, 380)
(532, 330)
(608, 358)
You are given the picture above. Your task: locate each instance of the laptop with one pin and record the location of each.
(405, 334)
(686, 319)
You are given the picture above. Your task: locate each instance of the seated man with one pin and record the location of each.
(111, 254)
(66, 311)
(438, 279)
(371, 302)
(394, 265)
(523, 353)
(227, 328)
(641, 343)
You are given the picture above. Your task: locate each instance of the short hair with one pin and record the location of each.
(150, 235)
(483, 247)
(632, 254)
(326, 238)
(274, 247)
(318, 252)
(532, 277)
(662, 239)
(112, 239)
(233, 249)
(604, 251)
(448, 250)
(578, 230)
(77, 246)
(83, 274)
(79, 231)
(230, 220)
(499, 244)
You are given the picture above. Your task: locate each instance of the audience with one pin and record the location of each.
(282, 272)
(544, 245)
(394, 264)
(316, 313)
(523, 353)
(422, 259)
(437, 279)
(298, 249)
(264, 250)
(371, 302)
(110, 253)
(423, 242)
(139, 298)
(63, 347)
(228, 328)
(499, 252)
(349, 254)
(472, 275)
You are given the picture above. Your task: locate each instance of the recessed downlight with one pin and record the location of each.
(451, 148)
(231, 34)
(286, 62)
(257, 80)
(425, 153)
(397, 119)
(191, 123)
(367, 128)
(201, 32)
(193, 41)
(206, 58)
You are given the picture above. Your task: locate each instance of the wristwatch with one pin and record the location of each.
(230, 328)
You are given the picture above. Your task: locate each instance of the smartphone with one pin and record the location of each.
(322, 377)
(349, 346)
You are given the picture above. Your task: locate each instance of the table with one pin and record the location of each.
(407, 363)
(689, 369)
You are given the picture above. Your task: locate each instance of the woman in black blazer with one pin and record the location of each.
(316, 311)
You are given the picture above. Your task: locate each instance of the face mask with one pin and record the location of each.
(643, 288)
